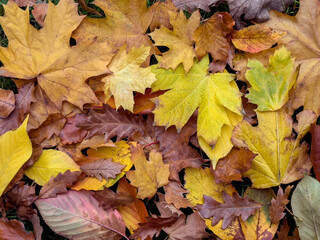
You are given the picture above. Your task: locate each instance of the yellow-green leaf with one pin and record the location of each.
(270, 86)
(50, 163)
(215, 95)
(15, 150)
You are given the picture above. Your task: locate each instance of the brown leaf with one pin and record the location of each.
(70, 133)
(166, 210)
(175, 195)
(59, 184)
(111, 123)
(250, 116)
(278, 204)
(102, 168)
(153, 226)
(109, 199)
(22, 196)
(7, 102)
(14, 230)
(230, 167)
(161, 15)
(190, 6)
(193, 228)
(283, 234)
(37, 228)
(39, 12)
(315, 149)
(232, 207)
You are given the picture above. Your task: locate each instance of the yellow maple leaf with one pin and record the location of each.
(302, 39)
(50, 163)
(15, 150)
(45, 54)
(279, 158)
(269, 87)
(214, 94)
(148, 176)
(127, 76)
(179, 40)
(126, 22)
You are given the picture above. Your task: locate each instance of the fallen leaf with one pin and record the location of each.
(16, 149)
(148, 176)
(305, 207)
(39, 12)
(24, 3)
(102, 168)
(190, 6)
(7, 102)
(270, 87)
(14, 230)
(279, 158)
(55, 64)
(86, 219)
(50, 163)
(127, 76)
(302, 41)
(231, 167)
(161, 15)
(175, 195)
(124, 24)
(70, 133)
(179, 40)
(166, 210)
(58, 184)
(233, 206)
(283, 233)
(278, 204)
(255, 38)
(111, 123)
(315, 149)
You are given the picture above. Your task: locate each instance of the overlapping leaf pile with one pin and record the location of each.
(145, 123)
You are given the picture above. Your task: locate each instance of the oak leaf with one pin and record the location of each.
(304, 49)
(233, 206)
(315, 149)
(61, 70)
(127, 76)
(214, 95)
(124, 24)
(102, 168)
(14, 230)
(7, 102)
(148, 176)
(278, 204)
(179, 40)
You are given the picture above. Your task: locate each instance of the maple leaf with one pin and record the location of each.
(255, 38)
(111, 123)
(127, 76)
(7, 102)
(214, 95)
(16, 149)
(269, 87)
(315, 149)
(102, 168)
(279, 158)
(161, 15)
(179, 40)
(232, 207)
(278, 205)
(148, 175)
(304, 49)
(125, 24)
(60, 70)
(13, 229)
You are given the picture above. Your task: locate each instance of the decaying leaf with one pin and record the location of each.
(278, 204)
(14, 230)
(7, 102)
(148, 176)
(190, 6)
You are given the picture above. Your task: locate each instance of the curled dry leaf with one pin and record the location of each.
(7, 102)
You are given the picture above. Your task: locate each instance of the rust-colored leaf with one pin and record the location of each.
(315, 149)
(14, 230)
(7, 102)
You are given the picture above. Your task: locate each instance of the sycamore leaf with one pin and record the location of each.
(120, 153)
(179, 40)
(127, 76)
(14, 230)
(15, 149)
(302, 40)
(102, 168)
(315, 149)
(111, 123)
(305, 206)
(60, 70)
(278, 204)
(255, 38)
(50, 163)
(212, 37)
(279, 158)
(148, 176)
(214, 94)
(233, 206)
(86, 219)
(270, 87)
(125, 23)
(7, 102)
